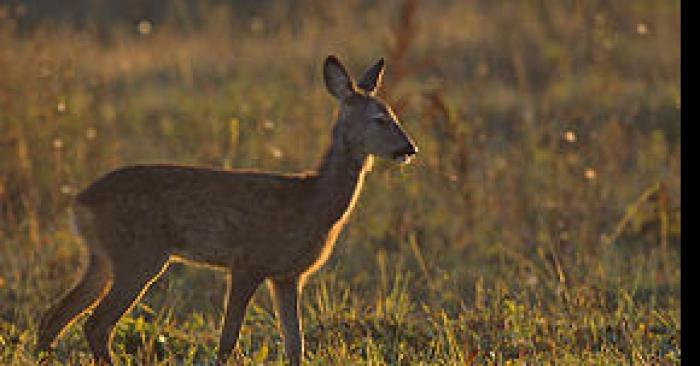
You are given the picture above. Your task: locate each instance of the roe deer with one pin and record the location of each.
(255, 225)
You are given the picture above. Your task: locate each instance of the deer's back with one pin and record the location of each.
(164, 181)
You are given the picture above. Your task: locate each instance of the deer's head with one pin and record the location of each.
(366, 124)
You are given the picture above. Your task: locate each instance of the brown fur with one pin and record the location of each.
(255, 225)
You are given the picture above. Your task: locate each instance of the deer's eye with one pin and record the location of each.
(382, 120)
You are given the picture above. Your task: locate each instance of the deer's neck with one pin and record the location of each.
(340, 178)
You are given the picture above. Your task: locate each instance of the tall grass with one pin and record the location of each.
(540, 222)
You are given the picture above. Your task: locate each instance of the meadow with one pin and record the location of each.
(539, 224)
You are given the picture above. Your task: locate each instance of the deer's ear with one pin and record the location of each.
(338, 82)
(372, 78)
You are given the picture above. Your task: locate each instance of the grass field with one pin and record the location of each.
(539, 224)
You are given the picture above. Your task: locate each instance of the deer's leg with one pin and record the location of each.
(241, 288)
(75, 302)
(286, 293)
(131, 278)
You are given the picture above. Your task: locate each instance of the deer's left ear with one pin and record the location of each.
(338, 82)
(372, 78)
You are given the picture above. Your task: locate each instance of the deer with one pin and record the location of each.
(255, 225)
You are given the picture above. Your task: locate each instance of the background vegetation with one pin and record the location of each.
(540, 222)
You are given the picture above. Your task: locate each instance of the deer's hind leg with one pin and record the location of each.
(78, 300)
(131, 277)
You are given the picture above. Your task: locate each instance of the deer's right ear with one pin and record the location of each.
(338, 82)
(372, 78)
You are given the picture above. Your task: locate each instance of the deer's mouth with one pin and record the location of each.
(405, 156)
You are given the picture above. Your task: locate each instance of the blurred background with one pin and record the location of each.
(544, 205)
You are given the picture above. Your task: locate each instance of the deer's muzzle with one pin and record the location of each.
(405, 155)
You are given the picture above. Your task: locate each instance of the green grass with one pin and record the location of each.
(540, 223)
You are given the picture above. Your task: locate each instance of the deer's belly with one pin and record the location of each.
(209, 256)
(278, 250)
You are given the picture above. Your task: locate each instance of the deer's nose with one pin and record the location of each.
(409, 150)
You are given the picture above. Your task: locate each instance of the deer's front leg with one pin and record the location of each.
(241, 288)
(286, 293)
